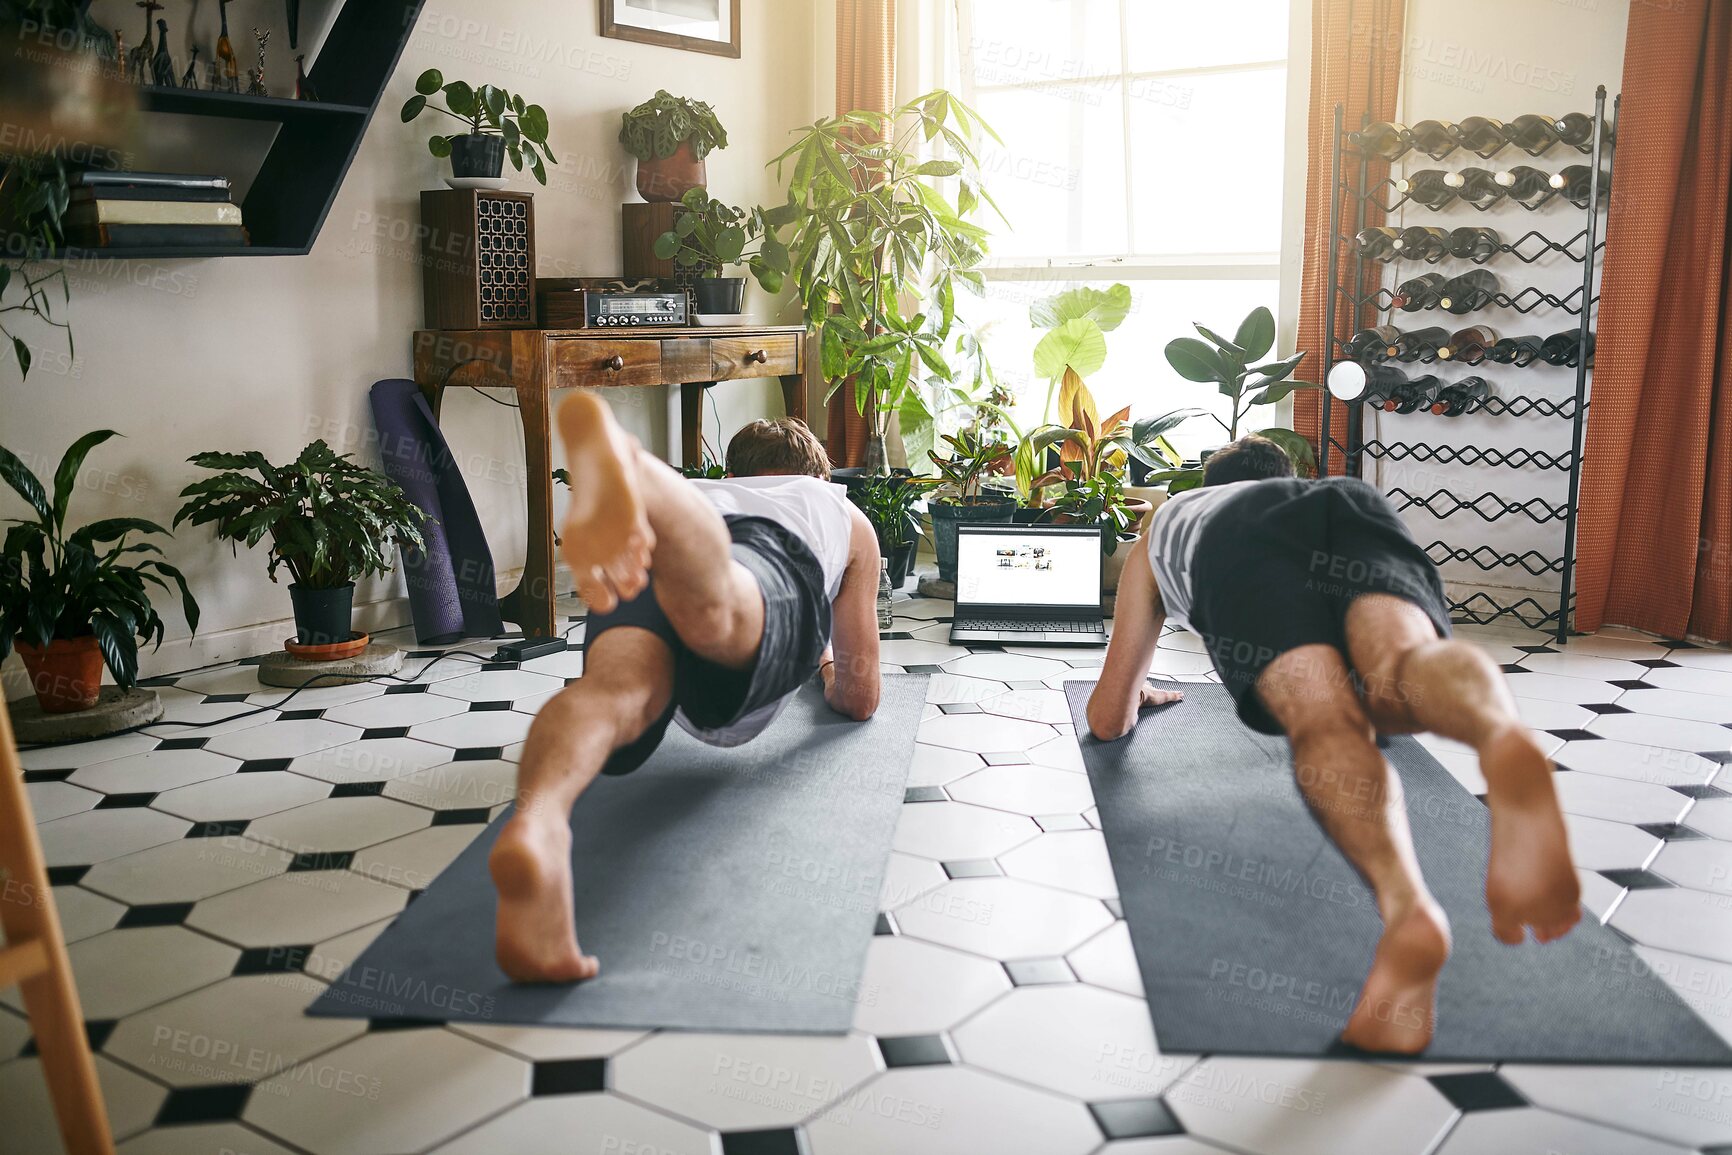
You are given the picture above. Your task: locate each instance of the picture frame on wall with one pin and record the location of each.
(711, 26)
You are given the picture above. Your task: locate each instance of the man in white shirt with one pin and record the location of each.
(710, 603)
(1327, 623)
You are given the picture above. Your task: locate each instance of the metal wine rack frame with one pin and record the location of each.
(1347, 208)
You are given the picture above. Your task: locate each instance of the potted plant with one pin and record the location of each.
(499, 124)
(708, 235)
(1074, 344)
(670, 136)
(875, 246)
(75, 602)
(329, 521)
(960, 492)
(1228, 365)
(888, 503)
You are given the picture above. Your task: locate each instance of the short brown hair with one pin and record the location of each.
(1251, 458)
(778, 446)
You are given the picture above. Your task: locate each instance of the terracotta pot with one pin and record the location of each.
(669, 178)
(66, 673)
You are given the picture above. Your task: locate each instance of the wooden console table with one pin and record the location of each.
(535, 362)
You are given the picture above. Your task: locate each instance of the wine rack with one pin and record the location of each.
(1350, 271)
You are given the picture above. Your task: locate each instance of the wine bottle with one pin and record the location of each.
(1416, 343)
(1474, 244)
(1481, 135)
(1476, 186)
(1384, 139)
(1418, 293)
(1516, 351)
(1532, 133)
(1467, 344)
(1574, 182)
(1461, 397)
(1377, 244)
(1428, 187)
(1526, 185)
(1367, 384)
(1411, 396)
(1576, 129)
(1565, 348)
(1422, 243)
(1371, 344)
(1435, 138)
(1471, 290)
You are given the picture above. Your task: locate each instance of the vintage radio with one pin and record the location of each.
(594, 303)
(478, 259)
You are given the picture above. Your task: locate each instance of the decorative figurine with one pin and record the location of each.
(138, 61)
(189, 79)
(257, 86)
(228, 70)
(162, 64)
(303, 87)
(119, 56)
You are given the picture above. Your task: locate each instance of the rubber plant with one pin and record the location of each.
(487, 111)
(85, 591)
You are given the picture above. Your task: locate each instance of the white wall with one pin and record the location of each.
(1501, 59)
(270, 353)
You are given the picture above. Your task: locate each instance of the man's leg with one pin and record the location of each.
(630, 513)
(1415, 680)
(1357, 799)
(626, 684)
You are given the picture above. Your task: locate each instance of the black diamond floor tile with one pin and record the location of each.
(1632, 879)
(300, 715)
(66, 875)
(477, 815)
(126, 801)
(266, 960)
(1114, 907)
(489, 707)
(1629, 684)
(321, 860)
(775, 1141)
(1700, 792)
(155, 914)
(478, 753)
(1035, 972)
(373, 732)
(1478, 1091)
(1670, 831)
(1135, 1118)
(416, 688)
(923, 669)
(886, 924)
(960, 708)
(358, 789)
(1606, 708)
(1576, 735)
(486, 666)
(217, 1103)
(213, 699)
(972, 868)
(916, 1051)
(96, 1032)
(1511, 668)
(220, 828)
(924, 794)
(1656, 663)
(182, 743)
(49, 775)
(569, 1077)
(264, 765)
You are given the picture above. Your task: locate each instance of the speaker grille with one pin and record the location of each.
(506, 281)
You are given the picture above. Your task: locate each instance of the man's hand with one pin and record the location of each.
(1151, 697)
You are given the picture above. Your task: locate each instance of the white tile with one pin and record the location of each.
(949, 688)
(1678, 919)
(1073, 860)
(919, 653)
(84, 914)
(1713, 817)
(481, 728)
(1559, 688)
(711, 1078)
(317, 697)
(1543, 715)
(566, 663)
(495, 686)
(466, 785)
(949, 830)
(395, 1091)
(1679, 704)
(1302, 1107)
(371, 760)
(550, 1042)
(203, 1139)
(1028, 790)
(238, 1030)
(86, 753)
(1057, 681)
(1536, 1132)
(937, 765)
(1598, 893)
(1003, 918)
(983, 733)
(120, 972)
(1676, 1105)
(1699, 863)
(1703, 659)
(31, 1129)
(283, 739)
(51, 800)
(1692, 680)
(1670, 733)
(949, 1111)
(1704, 984)
(187, 870)
(1600, 796)
(1464, 768)
(98, 835)
(1600, 844)
(395, 710)
(213, 718)
(329, 959)
(229, 679)
(236, 796)
(910, 987)
(154, 772)
(1005, 667)
(1047, 706)
(1628, 647)
(415, 860)
(338, 824)
(1060, 753)
(1078, 1040)
(297, 908)
(14, 1033)
(1636, 762)
(924, 609)
(1108, 960)
(581, 1125)
(906, 878)
(1578, 665)
(1180, 662)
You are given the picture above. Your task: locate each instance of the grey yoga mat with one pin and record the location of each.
(1253, 934)
(722, 890)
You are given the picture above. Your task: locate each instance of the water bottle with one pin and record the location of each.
(885, 618)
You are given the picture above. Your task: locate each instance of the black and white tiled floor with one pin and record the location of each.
(212, 880)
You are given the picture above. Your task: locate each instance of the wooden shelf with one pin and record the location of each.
(240, 106)
(173, 252)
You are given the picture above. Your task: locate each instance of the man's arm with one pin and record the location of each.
(851, 681)
(1123, 690)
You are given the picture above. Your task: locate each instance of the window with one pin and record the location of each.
(1144, 141)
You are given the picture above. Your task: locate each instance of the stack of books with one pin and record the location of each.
(155, 209)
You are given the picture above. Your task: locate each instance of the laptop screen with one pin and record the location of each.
(1040, 566)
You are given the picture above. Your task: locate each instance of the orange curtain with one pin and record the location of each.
(1654, 546)
(1356, 63)
(865, 79)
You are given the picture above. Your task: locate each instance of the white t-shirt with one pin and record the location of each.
(1178, 523)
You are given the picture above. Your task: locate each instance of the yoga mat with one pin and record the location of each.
(722, 890)
(450, 583)
(1253, 934)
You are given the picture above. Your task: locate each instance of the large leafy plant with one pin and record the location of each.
(888, 503)
(964, 471)
(330, 520)
(1074, 344)
(34, 194)
(708, 235)
(485, 110)
(655, 129)
(875, 245)
(94, 580)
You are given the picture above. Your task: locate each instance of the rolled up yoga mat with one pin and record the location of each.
(721, 890)
(1253, 934)
(451, 585)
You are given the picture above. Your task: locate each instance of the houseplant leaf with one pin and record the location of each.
(1195, 361)
(1077, 345)
(1256, 333)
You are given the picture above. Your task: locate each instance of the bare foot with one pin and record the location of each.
(1530, 880)
(1397, 1009)
(607, 538)
(536, 938)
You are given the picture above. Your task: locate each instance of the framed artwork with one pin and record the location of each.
(711, 26)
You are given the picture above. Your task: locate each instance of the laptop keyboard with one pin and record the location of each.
(1024, 625)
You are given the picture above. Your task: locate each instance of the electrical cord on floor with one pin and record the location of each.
(337, 679)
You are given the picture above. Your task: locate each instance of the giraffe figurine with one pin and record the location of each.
(257, 87)
(162, 64)
(189, 78)
(119, 72)
(226, 74)
(138, 61)
(304, 89)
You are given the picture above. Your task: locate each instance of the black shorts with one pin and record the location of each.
(1278, 564)
(796, 630)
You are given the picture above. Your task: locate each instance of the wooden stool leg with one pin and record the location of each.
(50, 999)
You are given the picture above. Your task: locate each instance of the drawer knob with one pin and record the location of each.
(615, 362)
(757, 355)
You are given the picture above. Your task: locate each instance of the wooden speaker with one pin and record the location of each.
(478, 259)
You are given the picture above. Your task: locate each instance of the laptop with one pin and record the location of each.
(1028, 584)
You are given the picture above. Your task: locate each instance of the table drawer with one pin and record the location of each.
(735, 357)
(585, 362)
